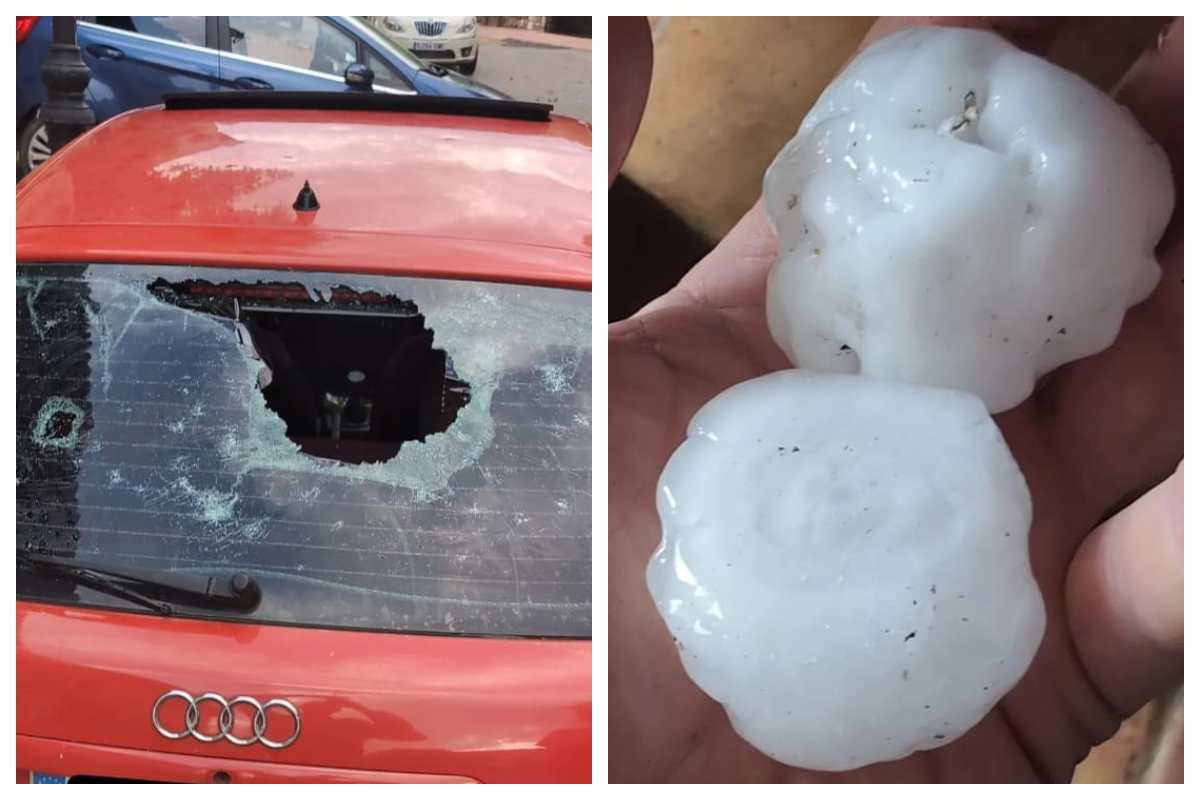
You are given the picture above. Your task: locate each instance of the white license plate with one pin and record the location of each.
(429, 46)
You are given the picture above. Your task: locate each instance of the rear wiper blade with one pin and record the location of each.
(153, 588)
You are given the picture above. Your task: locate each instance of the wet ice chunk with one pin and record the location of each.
(956, 212)
(845, 565)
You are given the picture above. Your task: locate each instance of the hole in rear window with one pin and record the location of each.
(354, 375)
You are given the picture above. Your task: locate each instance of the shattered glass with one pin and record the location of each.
(144, 440)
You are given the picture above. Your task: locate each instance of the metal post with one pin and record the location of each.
(66, 113)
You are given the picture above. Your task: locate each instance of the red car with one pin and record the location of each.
(304, 445)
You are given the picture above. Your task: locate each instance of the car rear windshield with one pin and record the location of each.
(393, 454)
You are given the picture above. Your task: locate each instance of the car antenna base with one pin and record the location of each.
(306, 200)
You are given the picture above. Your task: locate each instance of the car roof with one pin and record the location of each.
(406, 193)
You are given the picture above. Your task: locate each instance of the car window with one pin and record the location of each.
(385, 75)
(303, 42)
(385, 453)
(187, 30)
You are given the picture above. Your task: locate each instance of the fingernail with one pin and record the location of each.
(1165, 34)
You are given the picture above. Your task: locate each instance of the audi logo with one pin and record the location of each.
(191, 719)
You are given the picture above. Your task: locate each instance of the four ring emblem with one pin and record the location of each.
(191, 718)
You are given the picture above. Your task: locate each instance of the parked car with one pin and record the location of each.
(135, 60)
(452, 41)
(304, 444)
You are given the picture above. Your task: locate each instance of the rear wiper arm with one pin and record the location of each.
(148, 587)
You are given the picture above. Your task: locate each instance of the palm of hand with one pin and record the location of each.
(1097, 432)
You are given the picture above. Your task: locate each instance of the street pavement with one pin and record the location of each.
(540, 67)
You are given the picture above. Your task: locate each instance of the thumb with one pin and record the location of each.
(1125, 598)
(734, 273)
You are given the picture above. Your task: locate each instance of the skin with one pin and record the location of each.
(1101, 434)
(628, 86)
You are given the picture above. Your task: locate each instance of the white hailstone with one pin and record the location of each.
(845, 565)
(956, 212)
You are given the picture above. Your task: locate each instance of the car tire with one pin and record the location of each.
(469, 69)
(33, 147)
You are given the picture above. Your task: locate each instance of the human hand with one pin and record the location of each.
(1095, 434)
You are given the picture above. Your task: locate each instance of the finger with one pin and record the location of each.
(1125, 598)
(1032, 34)
(629, 67)
(734, 273)
(1153, 90)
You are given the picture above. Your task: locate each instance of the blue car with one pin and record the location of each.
(135, 60)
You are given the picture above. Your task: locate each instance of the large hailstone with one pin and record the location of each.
(955, 212)
(845, 565)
